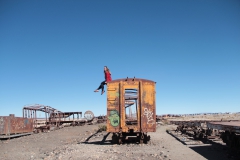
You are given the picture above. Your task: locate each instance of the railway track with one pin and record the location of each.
(227, 132)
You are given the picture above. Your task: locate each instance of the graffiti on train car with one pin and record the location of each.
(131, 109)
(149, 114)
(114, 118)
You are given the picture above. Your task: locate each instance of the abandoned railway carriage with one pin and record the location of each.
(11, 126)
(131, 109)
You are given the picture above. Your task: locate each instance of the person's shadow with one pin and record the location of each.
(97, 142)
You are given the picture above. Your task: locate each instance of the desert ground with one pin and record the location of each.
(87, 142)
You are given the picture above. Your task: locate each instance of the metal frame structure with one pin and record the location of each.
(53, 117)
(30, 111)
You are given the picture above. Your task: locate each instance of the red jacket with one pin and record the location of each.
(108, 77)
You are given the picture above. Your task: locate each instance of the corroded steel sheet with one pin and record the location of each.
(233, 126)
(113, 109)
(148, 106)
(14, 125)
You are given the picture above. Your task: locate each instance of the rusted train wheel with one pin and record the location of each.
(144, 138)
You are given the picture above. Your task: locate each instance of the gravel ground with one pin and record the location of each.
(84, 142)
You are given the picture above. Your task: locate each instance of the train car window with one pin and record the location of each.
(131, 106)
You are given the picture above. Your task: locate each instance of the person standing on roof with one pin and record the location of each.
(108, 78)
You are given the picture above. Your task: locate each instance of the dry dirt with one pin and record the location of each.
(84, 142)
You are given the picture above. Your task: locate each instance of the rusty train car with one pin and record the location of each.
(131, 109)
(11, 126)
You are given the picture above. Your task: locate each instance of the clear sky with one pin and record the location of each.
(53, 53)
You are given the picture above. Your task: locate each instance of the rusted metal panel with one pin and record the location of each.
(3, 125)
(14, 125)
(148, 107)
(113, 103)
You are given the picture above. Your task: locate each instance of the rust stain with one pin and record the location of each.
(13, 125)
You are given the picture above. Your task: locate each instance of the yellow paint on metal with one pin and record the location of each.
(148, 94)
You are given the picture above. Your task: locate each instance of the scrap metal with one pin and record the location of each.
(11, 126)
(228, 131)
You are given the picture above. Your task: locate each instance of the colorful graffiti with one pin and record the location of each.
(114, 118)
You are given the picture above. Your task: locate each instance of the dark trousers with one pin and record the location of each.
(102, 86)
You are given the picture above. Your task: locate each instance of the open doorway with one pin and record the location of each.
(131, 106)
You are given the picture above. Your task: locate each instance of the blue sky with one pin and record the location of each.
(53, 53)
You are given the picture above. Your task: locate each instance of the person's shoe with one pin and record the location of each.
(96, 90)
(102, 92)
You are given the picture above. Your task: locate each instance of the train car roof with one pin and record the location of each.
(132, 79)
